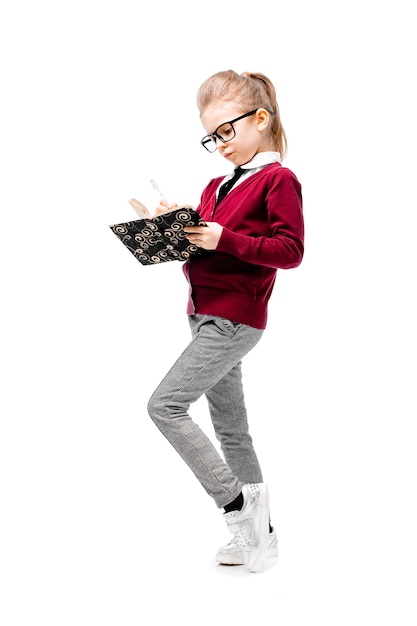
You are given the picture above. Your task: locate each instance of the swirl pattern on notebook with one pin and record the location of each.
(160, 238)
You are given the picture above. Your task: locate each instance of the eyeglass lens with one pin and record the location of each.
(226, 132)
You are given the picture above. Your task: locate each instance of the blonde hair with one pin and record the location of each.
(250, 90)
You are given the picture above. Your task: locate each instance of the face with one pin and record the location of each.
(252, 135)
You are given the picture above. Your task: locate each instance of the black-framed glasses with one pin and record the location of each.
(225, 132)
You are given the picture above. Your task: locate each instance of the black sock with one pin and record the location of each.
(236, 505)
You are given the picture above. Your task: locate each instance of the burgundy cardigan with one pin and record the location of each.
(263, 230)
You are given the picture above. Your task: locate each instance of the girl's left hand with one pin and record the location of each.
(206, 237)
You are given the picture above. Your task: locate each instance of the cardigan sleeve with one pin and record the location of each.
(283, 247)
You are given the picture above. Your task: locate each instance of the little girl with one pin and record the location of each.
(254, 227)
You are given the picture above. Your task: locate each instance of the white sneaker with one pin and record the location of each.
(250, 525)
(232, 554)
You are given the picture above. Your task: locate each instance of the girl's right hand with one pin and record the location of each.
(164, 207)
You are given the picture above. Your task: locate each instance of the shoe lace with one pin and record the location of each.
(242, 532)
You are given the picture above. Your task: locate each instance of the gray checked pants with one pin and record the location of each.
(211, 365)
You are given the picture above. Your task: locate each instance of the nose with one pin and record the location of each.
(221, 145)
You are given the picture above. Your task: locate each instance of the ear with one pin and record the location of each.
(262, 119)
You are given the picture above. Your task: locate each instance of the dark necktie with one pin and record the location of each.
(226, 187)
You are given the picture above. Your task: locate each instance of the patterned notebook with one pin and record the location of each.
(160, 238)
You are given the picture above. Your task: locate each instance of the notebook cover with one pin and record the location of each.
(160, 238)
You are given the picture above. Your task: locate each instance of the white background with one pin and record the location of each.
(101, 522)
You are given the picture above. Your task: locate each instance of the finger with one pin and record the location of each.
(164, 207)
(197, 230)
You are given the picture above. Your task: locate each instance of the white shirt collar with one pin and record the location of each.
(261, 159)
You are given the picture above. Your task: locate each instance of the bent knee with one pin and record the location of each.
(158, 406)
(154, 407)
(162, 408)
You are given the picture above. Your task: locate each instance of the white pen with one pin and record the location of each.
(157, 189)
